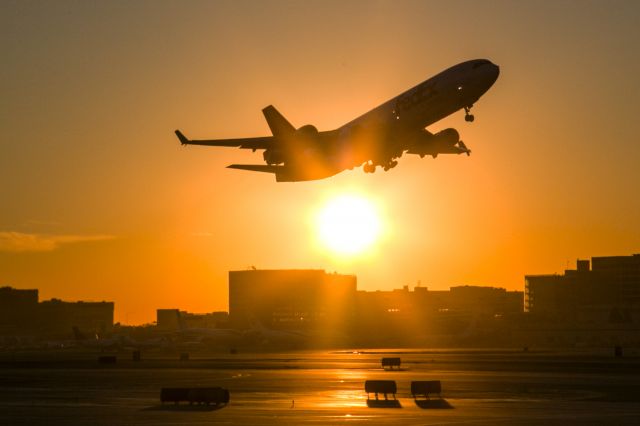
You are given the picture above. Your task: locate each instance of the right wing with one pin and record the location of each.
(264, 142)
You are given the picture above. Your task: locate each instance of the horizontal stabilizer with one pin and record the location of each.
(255, 167)
(264, 142)
(183, 138)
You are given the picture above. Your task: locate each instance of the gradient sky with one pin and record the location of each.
(98, 201)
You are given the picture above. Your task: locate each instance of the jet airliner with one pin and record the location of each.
(377, 138)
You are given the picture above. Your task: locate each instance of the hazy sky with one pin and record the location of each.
(99, 201)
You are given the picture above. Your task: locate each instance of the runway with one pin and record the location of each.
(322, 387)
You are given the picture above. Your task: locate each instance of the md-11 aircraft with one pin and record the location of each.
(377, 138)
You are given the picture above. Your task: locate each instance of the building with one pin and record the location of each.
(18, 309)
(304, 299)
(477, 300)
(168, 319)
(22, 315)
(608, 292)
(484, 300)
(13, 298)
(402, 317)
(60, 318)
(541, 293)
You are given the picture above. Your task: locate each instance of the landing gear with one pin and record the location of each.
(371, 167)
(390, 165)
(467, 116)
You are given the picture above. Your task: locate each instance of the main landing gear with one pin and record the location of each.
(390, 165)
(371, 168)
(467, 116)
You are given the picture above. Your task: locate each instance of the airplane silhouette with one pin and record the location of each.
(377, 138)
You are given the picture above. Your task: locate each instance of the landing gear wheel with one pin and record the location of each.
(390, 165)
(467, 116)
(369, 168)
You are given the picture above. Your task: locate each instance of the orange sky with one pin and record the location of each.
(99, 201)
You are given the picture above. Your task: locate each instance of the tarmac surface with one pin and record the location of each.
(323, 387)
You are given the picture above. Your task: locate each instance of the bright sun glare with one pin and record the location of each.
(347, 225)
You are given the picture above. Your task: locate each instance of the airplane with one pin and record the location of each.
(377, 138)
(194, 336)
(258, 333)
(209, 335)
(95, 340)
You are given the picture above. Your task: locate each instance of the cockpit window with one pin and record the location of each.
(480, 63)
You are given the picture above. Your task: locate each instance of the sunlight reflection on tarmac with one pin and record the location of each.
(327, 388)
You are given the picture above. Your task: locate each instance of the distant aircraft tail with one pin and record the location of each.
(277, 123)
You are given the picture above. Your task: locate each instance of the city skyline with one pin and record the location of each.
(100, 201)
(581, 266)
(591, 304)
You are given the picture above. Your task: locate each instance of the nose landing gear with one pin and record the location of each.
(468, 117)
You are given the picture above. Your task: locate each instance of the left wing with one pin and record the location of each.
(264, 142)
(256, 167)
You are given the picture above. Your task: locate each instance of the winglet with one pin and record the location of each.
(183, 138)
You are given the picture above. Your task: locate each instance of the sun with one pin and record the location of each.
(348, 225)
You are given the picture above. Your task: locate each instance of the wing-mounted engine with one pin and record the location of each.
(297, 155)
(446, 141)
(273, 156)
(303, 140)
(289, 140)
(448, 136)
(308, 146)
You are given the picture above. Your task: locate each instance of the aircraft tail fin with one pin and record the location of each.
(277, 123)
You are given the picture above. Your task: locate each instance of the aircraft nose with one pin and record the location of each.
(495, 71)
